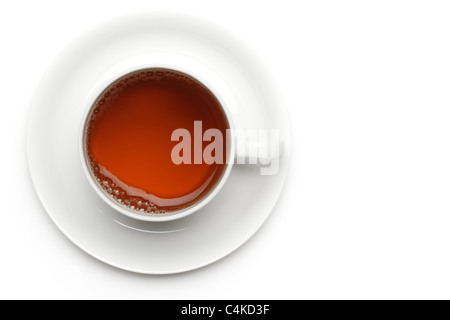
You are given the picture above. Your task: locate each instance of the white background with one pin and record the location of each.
(366, 209)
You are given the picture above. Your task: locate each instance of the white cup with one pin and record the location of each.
(198, 72)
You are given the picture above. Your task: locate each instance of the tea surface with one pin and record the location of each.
(128, 140)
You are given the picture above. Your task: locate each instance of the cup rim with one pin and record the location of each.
(155, 217)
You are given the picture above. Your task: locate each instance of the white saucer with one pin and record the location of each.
(223, 225)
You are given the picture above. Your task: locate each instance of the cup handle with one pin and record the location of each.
(258, 148)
